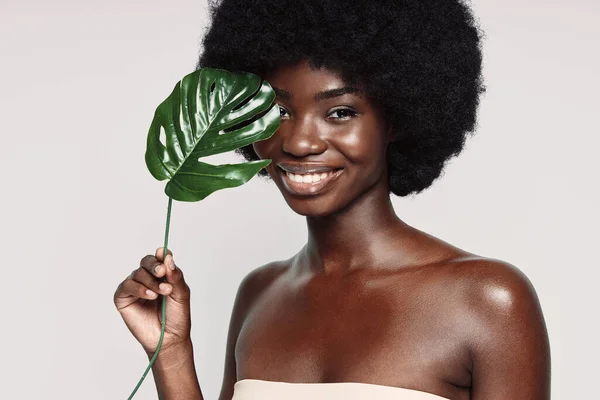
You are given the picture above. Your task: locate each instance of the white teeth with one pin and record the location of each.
(308, 178)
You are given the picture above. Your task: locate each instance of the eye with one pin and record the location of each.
(282, 111)
(344, 113)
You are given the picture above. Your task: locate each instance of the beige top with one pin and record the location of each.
(254, 389)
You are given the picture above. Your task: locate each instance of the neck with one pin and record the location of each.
(355, 237)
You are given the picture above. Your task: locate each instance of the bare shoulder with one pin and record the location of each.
(484, 297)
(504, 330)
(257, 280)
(494, 287)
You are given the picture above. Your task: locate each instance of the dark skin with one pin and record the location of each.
(369, 298)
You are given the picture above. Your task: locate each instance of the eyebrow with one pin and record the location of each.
(326, 94)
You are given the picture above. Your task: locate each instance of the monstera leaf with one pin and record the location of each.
(210, 111)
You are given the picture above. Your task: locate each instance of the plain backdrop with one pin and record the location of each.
(79, 82)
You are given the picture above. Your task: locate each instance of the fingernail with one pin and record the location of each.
(150, 293)
(164, 287)
(171, 264)
(157, 269)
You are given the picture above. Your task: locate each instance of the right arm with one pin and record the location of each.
(173, 370)
(175, 374)
(137, 300)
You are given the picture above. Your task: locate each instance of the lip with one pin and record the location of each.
(312, 188)
(306, 168)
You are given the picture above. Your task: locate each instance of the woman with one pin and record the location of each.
(374, 99)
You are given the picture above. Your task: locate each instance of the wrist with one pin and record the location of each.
(173, 356)
(175, 374)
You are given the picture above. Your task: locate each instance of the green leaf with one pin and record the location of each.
(210, 111)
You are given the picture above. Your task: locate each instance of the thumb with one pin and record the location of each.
(160, 252)
(174, 275)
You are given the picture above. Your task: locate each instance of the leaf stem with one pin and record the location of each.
(164, 306)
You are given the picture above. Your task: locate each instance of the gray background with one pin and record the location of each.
(79, 83)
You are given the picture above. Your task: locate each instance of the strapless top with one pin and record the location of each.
(255, 389)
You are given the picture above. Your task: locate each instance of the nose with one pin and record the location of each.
(302, 138)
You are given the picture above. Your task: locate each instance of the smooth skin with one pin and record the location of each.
(368, 298)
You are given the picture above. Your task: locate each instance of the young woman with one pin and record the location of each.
(374, 99)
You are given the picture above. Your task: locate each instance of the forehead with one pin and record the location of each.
(301, 79)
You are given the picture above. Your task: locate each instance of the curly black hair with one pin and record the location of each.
(420, 61)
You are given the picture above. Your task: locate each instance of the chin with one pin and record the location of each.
(312, 207)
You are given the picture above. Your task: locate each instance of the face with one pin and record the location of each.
(330, 147)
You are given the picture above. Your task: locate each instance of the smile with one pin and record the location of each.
(309, 184)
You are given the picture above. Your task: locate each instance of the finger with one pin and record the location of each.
(129, 287)
(180, 291)
(153, 266)
(160, 251)
(155, 284)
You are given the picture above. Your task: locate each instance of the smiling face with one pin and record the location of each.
(330, 147)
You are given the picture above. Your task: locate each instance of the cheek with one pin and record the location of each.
(264, 149)
(258, 149)
(362, 146)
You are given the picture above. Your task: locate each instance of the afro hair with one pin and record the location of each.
(420, 61)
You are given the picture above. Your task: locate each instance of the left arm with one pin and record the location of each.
(509, 346)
